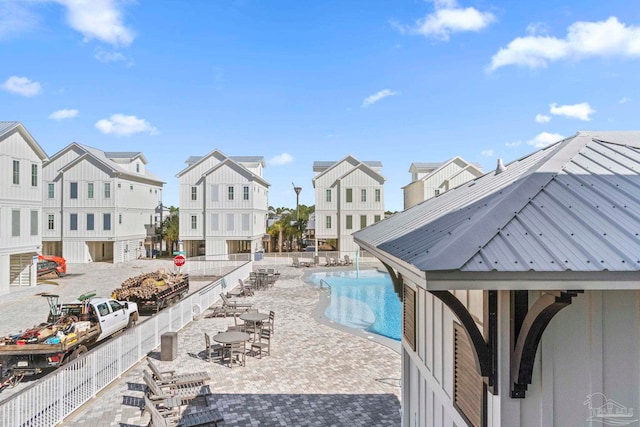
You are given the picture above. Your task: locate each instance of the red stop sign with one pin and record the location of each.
(179, 260)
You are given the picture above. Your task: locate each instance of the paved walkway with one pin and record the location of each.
(315, 376)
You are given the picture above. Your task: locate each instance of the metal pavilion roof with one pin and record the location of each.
(572, 206)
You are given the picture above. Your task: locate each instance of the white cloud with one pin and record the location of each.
(21, 85)
(624, 100)
(15, 18)
(372, 99)
(119, 124)
(580, 111)
(584, 39)
(106, 56)
(63, 114)
(487, 153)
(541, 118)
(449, 18)
(545, 138)
(513, 144)
(281, 159)
(98, 19)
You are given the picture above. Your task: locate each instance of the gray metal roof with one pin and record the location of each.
(247, 159)
(7, 126)
(193, 159)
(122, 154)
(426, 165)
(572, 206)
(319, 166)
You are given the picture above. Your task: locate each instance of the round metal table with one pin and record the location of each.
(231, 337)
(255, 318)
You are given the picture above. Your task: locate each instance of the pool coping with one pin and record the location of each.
(323, 302)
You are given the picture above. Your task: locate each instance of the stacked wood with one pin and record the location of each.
(146, 286)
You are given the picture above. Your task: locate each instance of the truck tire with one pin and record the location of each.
(79, 352)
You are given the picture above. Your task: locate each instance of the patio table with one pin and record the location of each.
(254, 318)
(231, 337)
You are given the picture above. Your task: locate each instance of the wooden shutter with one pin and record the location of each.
(468, 387)
(409, 316)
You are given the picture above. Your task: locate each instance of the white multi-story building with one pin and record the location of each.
(21, 160)
(431, 179)
(98, 206)
(349, 196)
(223, 204)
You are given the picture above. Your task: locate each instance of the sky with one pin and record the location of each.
(398, 81)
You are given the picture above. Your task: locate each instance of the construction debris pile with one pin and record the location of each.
(147, 286)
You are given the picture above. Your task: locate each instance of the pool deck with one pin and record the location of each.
(316, 375)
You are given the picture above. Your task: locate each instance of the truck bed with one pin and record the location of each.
(81, 338)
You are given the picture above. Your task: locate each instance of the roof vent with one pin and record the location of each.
(500, 168)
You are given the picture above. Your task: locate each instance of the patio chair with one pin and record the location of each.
(262, 344)
(347, 260)
(269, 323)
(245, 289)
(237, 353)
(170, 377)
(183, 393)
(171, 416)
(330, 262)
(234, 305)
(213, 351)
(235, 326)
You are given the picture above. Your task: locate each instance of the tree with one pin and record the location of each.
(171, 228)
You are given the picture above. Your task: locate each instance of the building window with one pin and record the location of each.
(245, 222)
(119, 185)
(349, 222)
(137, 167)
(51, 222)
(230, 193)
(90, 190)
(377, 194)
(120, 219)
(327, 221)
(15, 223)
(194, 193)
(363, 195)
(376, 218)
(328, 193)
(34, 175)
(106, 221)
(107, 190)
(73, 193)
(245, 192)
(73, 222)
(349, 195)
(409, 316)
(194, 222)
(230, 222)
(51, 190)
(131, 187)
(89, 222)
(437, 192)
(34, 223)
(363, 221)
(215, 222)
(16, 172)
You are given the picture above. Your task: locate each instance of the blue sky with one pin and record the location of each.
(294, 81)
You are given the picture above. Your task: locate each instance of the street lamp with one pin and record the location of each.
(297, 190)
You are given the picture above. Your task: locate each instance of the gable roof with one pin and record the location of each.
(473, 167)
(129, 155)
(7, 128)
(102, 158)
(322, 165)
(573, 206)
(194, 161)
(355, 163)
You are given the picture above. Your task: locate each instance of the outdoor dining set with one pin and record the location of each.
(186, 399)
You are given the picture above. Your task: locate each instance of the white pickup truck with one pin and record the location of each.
(71, 329)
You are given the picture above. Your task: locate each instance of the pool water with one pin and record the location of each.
(366, 302)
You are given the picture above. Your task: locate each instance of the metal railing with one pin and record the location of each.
(49, 400)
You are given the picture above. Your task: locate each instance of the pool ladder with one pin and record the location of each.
(323, 284)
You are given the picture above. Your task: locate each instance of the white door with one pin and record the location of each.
(119, 316)
(107, 320)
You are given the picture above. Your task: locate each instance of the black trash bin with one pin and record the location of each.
(168, 346)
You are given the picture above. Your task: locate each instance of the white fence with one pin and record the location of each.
(49, 400)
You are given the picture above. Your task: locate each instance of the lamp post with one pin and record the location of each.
(297, 190)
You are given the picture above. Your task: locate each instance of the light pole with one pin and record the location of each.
(297, 190)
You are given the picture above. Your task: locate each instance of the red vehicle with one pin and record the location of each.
(60, 262)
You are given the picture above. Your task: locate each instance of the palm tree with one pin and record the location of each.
(171, 228)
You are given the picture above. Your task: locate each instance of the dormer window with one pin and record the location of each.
(138, 167)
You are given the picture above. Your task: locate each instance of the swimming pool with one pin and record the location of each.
(365, 302)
